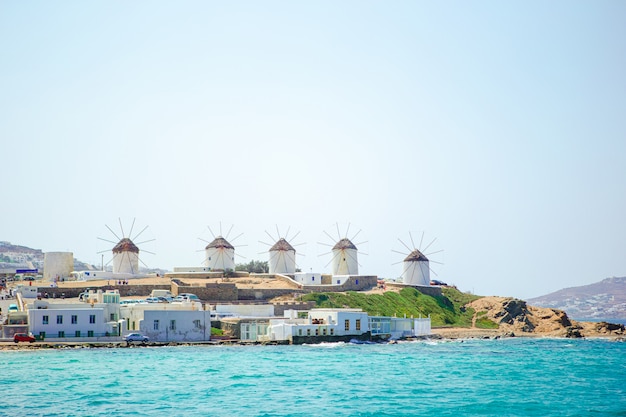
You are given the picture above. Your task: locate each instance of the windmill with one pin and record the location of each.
(282, 253)
(125, 251)
(416, 265)
(344, 258)
(219, 254)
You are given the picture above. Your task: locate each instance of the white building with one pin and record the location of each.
(76, 321)
(57, 265)
(312, 278)
(344, 261)
(282, 258)
(308, 278)
(416, 269)
(168, 322)
(321, 324)
(396, 328)
(220, 255)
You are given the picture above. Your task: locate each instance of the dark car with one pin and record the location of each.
(23, 337)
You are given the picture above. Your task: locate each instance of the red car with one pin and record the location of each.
(23, 337)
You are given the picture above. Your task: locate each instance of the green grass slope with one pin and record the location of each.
(446, 310)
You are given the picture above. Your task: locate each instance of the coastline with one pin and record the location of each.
(439, 333)
(454, 333)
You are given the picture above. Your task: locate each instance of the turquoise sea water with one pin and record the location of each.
(506, 377)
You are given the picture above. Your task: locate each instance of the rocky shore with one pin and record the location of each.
(515, 318)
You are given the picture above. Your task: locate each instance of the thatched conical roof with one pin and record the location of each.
(416, 256)
(344, 244)
(220, 243)
(125, 245)
(283, 245)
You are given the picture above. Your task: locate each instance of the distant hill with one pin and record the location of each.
(603, 300)
(17, 257)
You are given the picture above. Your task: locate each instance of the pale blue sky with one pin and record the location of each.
(498, 128)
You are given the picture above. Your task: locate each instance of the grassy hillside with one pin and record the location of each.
(446, 310)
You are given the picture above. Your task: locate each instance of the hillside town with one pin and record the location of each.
(211, 303)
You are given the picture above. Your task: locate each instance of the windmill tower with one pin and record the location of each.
(344, 259)
(282, 255)
(219, 254)
(126, 252)
(282, 258)
(125, 257)
(416, 265)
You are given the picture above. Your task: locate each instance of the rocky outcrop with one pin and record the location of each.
(515, 316)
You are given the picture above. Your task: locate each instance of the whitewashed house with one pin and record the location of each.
(397, 328)
(320, 325)
(68, 321)
(168, 322)
(308, 278)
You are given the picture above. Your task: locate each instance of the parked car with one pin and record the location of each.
(187, 297)
(136, 337)
(23, 337)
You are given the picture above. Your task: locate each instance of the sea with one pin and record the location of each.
(494, 377)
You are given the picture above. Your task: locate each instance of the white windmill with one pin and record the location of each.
(344, 253)
(219, 254)
(282, 258)
(416, 265)
(126, 252)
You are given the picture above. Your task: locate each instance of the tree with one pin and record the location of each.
(257, 267)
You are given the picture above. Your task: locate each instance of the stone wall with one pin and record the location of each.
(207, 292)
(354, 283)
(279, 308)
(265, 293)
(125, 290)
(433, 291)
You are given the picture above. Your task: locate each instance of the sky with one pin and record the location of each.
(496, 129)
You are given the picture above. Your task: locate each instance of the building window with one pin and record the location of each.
(172, 324)
(357, 282)
(332, 331)
(44, 320)
(61, 333)
(74, 319)
(347, 324)
(358, 324)
(308, 332)
(338, 282)
(77, 333)
(324, 331)
(156, 325)
(42, 335)
(89, 333)
(312, 278)
(299, 332)
(59, 319)
(113, 317)
(317, 332)
(92, 319)
(196, 324)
